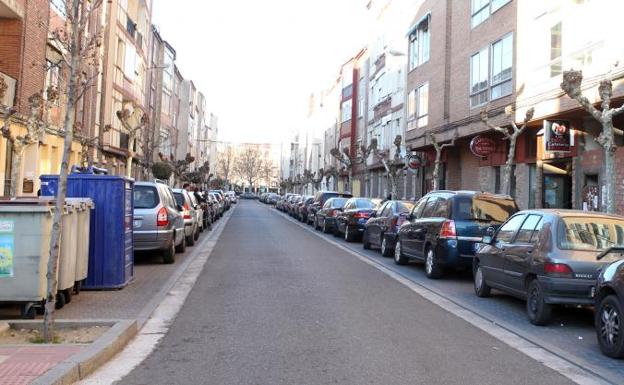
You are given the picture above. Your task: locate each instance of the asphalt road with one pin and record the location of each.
(276, 304)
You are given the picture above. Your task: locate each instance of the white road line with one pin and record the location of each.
(536, 352)
(161, 319)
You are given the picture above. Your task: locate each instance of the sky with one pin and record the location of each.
(257, 61)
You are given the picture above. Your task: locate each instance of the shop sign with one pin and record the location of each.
(557, 136)
(482, 146)
(414, 162)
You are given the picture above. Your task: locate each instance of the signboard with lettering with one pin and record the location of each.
(557, 136)
(482, 146)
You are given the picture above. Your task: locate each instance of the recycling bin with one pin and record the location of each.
(84, 207)
(67, 256)
(25, 229)
(111, 253)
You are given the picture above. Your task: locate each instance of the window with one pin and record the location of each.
(346, 110)
(589, 233)
(442, 209)
(430, 206)
(418, 106)
(555, 50)
(418, 209)
(491, 72)
(483, 209)
(130, 62)
(387, 210)
(145, 197)
(507, 231)
(481, 10)
(528, 232)
(502, 62)
(419, 43)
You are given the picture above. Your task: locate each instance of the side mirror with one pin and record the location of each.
(490, 231)
(487, 239)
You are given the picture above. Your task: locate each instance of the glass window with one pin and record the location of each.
(338, 202)
(130, 62)
(442, 209)
(496, 4)
(480, 11)
(429, 207)
(179, 197)
(404, 207)
(502, 62)
(418, 209)
(346, 110)
(411, 105)
(419, 43)
(483, 208)
(479, 78)
(145, 197)
(590, 233)
(418, 106)
(387, 210)
(506, 232)
(555, 50)
(528, 232)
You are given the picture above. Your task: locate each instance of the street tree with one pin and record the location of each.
(393, 166)
(80, 55)
(512, 136)
(571, 84)
(134, 120)
(350, 160)
(439, 148)
(248, 165)
(179, 167)
(225, 164)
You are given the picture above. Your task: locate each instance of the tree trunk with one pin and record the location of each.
(16, 165)
(608, 180)
(129, 165)
(436, 172)
(506, 187)
(55, 236)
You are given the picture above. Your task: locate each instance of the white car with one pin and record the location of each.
(233, 197)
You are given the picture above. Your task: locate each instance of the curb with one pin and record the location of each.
(85, 362)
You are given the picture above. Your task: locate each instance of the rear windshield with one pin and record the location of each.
(179, 197)
(145, 197)
(365, 204)
(484, 209)
(404, 207)
(338, 202)
(590, 233)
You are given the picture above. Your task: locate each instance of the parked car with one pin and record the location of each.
(273, 198)
(291, 202)
(547, 257)
(444, 227)
(248, 195)
(382, 228)
(233, 196)
(281, 202)
(158, 220)
(302, 209)
(199, 211)
(325, 219)
(355, 213)
(224, 199)
(609, 302)
(319, 201)
(220, 206)
(191, 225)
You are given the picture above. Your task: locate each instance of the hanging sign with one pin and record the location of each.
(482, 146)
(557, 136)
(414, 162)
(7, 249)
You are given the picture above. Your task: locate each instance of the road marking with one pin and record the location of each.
(559, 364)
(159, 322)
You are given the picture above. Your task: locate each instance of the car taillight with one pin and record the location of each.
(187, 212)
(557, 269)
(448, 230)
(162, 218)
(394, 222)
(361, 215)
(332, 213)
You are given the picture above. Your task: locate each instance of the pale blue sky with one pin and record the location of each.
(258, 60)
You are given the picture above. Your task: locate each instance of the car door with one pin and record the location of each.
(426, 224)
(492, 257)
(385, 218)
(374, 225)
(518, 256)
(407, 231)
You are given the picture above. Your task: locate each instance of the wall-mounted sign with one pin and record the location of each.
(557, 136)
(482, 146)
(414, 162)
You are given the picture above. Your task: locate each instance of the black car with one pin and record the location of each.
(609, 303)
(302, 211)
(547, 257)
(319, 201)
(382, 228)
(351, 220)
(444, 227)
(325, 219)
(248, 195)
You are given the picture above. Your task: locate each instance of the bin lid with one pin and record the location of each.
(26, 204)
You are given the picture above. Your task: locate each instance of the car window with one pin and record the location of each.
(418, 209)
(429, 207)
(145, 197)
(381, 208)
(403, 207)
(590, 233)
(338, 202)
(442, 208)
(363, 204)
(387, 211)
(484, 208)
(327, 204)
(179, 197)
(193, 200)
(506, 232)
(529, 229)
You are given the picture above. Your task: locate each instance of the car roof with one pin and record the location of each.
(471, 193)
(571, 213)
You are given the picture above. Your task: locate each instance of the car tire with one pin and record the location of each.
(399, 258)
(385, 250)
(67, 293)
(325, 229)
(610, 326)
(365, 243)
(190, 240)
(60, 301)
(196, 235)
(169, 253)
(181, 248)
(433, 269)
(538, 311)
(336, 232)
(481, 288)
(28, 311)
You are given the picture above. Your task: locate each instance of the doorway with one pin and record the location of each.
(557, 185)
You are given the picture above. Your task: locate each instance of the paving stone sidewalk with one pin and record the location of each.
(20, 365)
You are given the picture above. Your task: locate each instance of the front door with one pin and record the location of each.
(557, 185)
(520, 253)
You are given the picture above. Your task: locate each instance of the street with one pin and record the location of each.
(278, 304)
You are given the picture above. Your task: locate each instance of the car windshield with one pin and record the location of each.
(590, 233)
(179, 197)
(145, 197)
(338, 202)
(365, 204)
(484, 208)
(404, 207)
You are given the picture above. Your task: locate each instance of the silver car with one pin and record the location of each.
(158, 221)
(189, 211)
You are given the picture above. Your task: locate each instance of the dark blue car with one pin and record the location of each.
(444, 227)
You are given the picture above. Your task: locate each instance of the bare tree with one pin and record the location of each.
(225, 164)
(248, 165)
(133, 120)
(512, 137)
(80, 55)
(267, 172)
(350, 160)
(572, 86)
(438, 157)
(179, 168)
(394, 165)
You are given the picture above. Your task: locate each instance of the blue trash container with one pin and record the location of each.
(111, 255)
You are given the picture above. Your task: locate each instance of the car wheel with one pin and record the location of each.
(67, 293)
(196, 235)
(538, 310)
(181, 248)
(349, 237)
(386, 251)
(190, 240)
(28, 311)
(336, 232)
(169, 253)
(325, 229)
(60, 301)
(399, 258)
(609, 327)
(432, 266)
(481, 287)
(365, 243)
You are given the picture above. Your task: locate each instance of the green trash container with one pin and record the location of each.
(25, 227)
(84, 206)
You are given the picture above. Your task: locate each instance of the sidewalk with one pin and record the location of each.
(20, 365)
